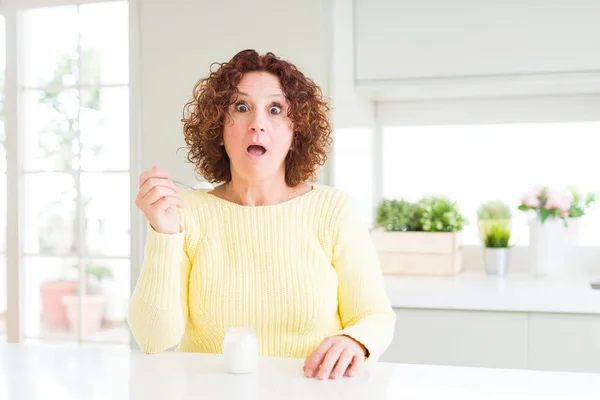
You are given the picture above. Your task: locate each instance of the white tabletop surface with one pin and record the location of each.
(477, 291)
(73, 372)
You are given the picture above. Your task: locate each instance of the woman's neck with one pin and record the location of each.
(262, 193)
(259, 193)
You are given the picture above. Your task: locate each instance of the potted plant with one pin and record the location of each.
(496, 252)
(93, 301)
(494, 212)
(54, 315)
(419, 238)
(397, 215)
(549, 209)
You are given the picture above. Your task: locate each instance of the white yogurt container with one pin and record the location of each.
(240, 350)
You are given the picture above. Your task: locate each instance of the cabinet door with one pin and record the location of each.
(463, 338)
(403, 39)
(564, 342)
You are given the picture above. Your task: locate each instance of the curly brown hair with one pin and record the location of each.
(204, 117)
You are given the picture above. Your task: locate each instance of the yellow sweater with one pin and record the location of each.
(297, 272)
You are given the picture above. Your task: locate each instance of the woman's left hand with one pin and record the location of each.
(336, 356)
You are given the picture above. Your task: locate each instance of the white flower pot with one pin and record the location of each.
(496, 261)
(548, 245)
(574, 230)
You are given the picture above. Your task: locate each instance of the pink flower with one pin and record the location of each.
(532, 198)
(558, 200)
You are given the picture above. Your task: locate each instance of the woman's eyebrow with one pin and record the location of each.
(269, 96)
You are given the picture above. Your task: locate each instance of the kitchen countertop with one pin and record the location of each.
(93, 372)
(477, 291)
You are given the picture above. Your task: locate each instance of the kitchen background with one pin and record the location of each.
(465, 100)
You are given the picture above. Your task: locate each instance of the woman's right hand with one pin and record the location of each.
(157, 197)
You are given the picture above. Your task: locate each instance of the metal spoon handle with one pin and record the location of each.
(199, 186)
(181, 183)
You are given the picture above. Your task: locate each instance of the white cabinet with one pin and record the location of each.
(403, 39)
(564, 342)
(466, 338)
(437, 49)
(541, 341)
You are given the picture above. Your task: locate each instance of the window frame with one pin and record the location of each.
(11, 9)
(488, 110)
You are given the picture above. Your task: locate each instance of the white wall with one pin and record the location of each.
(180, 39)
(350, 110)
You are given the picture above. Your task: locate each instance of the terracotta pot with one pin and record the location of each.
(53, 311)
(93, 312)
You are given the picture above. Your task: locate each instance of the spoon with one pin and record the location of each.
(198, 186)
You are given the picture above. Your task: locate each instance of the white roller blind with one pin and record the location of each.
(491, 111)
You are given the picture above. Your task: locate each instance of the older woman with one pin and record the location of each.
(265, 249)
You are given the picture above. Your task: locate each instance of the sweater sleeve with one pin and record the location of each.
(364, 307)
(158, 310)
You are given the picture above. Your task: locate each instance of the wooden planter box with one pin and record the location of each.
(418, 253)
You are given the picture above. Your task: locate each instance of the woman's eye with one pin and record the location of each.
(275, 110)
(240, 107)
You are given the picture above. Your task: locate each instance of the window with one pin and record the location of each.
(74, 125)
(476, 163)
(352, 167)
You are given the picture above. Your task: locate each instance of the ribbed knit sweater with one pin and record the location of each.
(297, 272)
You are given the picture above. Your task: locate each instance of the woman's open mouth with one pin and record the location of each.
(256, 150)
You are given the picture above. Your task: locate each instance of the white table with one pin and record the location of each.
(73, 372)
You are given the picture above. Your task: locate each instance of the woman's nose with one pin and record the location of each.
(258, 122)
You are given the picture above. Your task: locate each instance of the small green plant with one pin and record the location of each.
(494, 209)
(439, 214)
(396, 215)
(429, 214)
(580, 203)
(97, 271)
(497, 236)
(100, 272)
